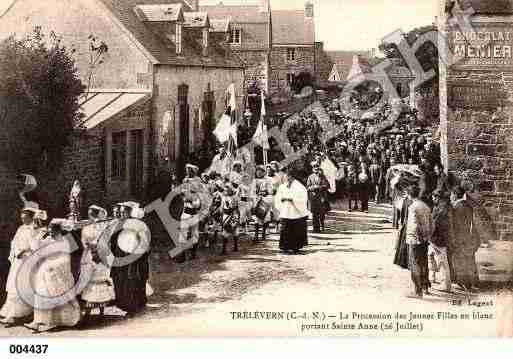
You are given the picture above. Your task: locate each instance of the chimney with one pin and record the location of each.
(309, 9)
(194, 4)
(265, 5)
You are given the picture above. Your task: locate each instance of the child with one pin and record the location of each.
(243, 193)
(262, 194)
(99, 292)
(215, 217)
(230, 207)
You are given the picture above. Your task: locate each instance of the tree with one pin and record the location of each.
(39, 100)
(427, 54)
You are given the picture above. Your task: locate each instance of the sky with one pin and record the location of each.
(351, 24)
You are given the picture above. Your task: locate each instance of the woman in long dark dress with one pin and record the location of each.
(401, 249)
(133, 239)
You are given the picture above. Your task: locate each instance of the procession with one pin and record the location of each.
(165, 163)
(433, 216)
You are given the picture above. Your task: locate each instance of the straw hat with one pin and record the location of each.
(102, 212)
(32, 207)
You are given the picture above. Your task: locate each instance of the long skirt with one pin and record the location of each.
(464, 268)
(99, 292)
(52, 280)
(418, 264)
(401, 249)
(67, 315)
(130, 285)
(14, 306)
(293, 234)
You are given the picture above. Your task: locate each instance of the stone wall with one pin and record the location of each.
(323, 63)
(476, 120)
(84, 159)
(165, 111)
(137, 117)
(256, 63)
(280, 66)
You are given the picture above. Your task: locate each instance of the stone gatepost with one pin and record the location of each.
(476, 97)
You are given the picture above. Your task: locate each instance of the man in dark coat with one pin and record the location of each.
(442, 181)
(352, 188)
(465, 242)
(317, 186)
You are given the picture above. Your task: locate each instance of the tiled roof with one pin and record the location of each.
(291, 27)
(238, 13)
(160, 47)
(196, 19)
(345, 57)
(171, 12)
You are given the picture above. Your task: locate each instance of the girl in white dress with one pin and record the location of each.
(99, 292)
(22, 246)
(54, 281)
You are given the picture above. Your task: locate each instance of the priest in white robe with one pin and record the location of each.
(292, 203)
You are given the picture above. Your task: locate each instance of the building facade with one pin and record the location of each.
(274, 45)
(250, 37)
(149, 105)
(476, 106)
(294, 49)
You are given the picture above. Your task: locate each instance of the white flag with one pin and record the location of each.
(225, 128)
(232, 100)
(263, 111)
(261, 137)
(330, 171)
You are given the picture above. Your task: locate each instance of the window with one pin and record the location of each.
(291, 54)
(399, 89)
(205, 42)
(178, 38)
(235, 36)
(118, 164)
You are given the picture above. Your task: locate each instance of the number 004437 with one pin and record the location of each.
(28, 349)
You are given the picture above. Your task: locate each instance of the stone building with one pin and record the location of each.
(250, 36)
(274, 45)
(476, 106)
(152, 102)
(293, 45)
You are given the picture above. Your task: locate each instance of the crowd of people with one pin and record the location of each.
(60, 269)
(222, 202)
(442, 238)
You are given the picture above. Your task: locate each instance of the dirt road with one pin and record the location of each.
(344, 285)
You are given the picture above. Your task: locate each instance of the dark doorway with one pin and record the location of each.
(183, 120)
(136, 162)
(209, 110)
